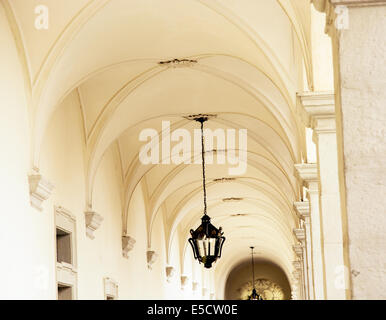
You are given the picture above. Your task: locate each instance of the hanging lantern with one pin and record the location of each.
(254, 295)
(206, 241)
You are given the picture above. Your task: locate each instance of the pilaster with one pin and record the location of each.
(308, 176)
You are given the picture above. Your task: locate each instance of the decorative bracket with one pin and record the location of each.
(169, 273)
(184, 281)
(40, 190)
(302, 208)
(298, 249)
(127, 245)
(300, 234)
(194, 285)
(93, 222)
(297, 265)
(151, 258)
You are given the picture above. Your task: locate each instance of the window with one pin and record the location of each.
(63, 246)
(66, 273)
(64, 292)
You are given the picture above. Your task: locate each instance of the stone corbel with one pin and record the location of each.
(318, 112)
(170, 271)
(194, 285)
(184, 282)
(303, 209)
(300, 234)
(40, 190)
(298, 249)
(307, 173)
(93, 222)
(127, 245)
(296, 274)
(151, 258)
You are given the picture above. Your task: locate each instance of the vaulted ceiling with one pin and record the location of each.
(252, 57)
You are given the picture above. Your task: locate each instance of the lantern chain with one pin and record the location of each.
(202, 120)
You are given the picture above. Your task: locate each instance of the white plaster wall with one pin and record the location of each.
(62, 163)
(322, 65)
(25, 271)
(362, 60)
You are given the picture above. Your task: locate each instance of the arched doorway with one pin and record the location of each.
(270, 282)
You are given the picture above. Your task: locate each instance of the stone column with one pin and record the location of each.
(308, 174)
(357, 29)
(303, 210)
(319, 114)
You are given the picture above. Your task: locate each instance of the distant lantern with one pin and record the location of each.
(254, 295)
(206, 241)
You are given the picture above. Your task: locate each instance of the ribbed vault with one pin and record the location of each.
(250, 62)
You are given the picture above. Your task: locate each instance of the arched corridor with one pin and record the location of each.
(91, 88)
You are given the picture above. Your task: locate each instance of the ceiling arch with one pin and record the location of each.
(244, 69)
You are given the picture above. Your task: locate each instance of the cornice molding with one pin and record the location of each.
(307, 172)
(329, 7)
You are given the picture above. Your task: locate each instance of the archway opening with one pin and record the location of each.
(270, 281)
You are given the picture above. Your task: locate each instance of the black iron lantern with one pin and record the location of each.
(254, 295)
(206, 241)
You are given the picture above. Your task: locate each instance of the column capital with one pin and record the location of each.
(317, 110)
(300, 234)
(302, 208)
(321, 5)
(307, 173)
(337, 14)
